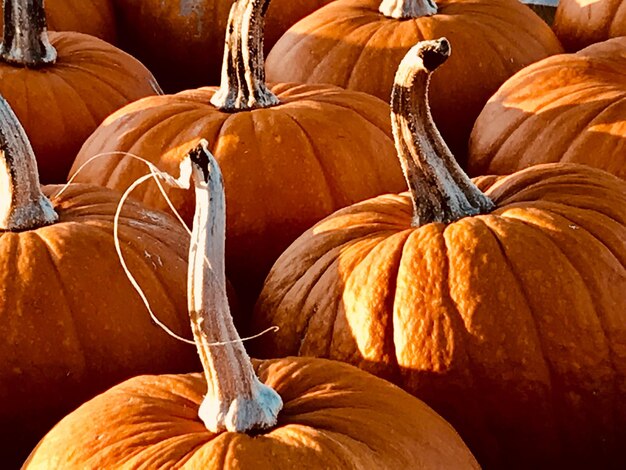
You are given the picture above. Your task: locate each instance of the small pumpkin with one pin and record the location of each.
(566, 108)
(502, 309)
(291, 154)
(297, 414)
(178, 35)
(580, 23)
(94, 17)
(358, 44)
(71, 323)
(62, 85)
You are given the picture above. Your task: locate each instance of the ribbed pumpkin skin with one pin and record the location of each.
(350, 44)
(284, 168)
(334, 417)
(72, 324)
(566, 108)
(581, 23)
(62, 104)
(182, 41)
(94, 17)
(511, 325)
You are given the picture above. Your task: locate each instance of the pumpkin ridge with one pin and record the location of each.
(334, 197)
(575, 268)
(539, 338)
(47, 247)
(73, 91)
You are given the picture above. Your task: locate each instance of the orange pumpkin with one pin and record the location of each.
(502, 310)
(566, 108)
(580, 23)
(71, 323)
(291, 154)
(94, 17)
(358, 44)
(182, 41)
(63, 85)
(298, 414)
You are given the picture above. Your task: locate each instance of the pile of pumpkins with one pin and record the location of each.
(477, 319)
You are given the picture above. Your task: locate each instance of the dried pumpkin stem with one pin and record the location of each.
(236, 400)
(441, 191)
(22, 204)
(25, 40)
(243, 70)
(405, 9)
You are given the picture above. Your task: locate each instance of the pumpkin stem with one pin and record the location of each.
(243, 70)
(236, 400)
(405, 9)
(25, 40)
(22, 204)
(441, 191)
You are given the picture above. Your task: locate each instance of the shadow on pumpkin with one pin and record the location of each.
(506, 138)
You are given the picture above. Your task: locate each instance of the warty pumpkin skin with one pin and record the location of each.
(580, 23)
(94, 17)
(72, 324)
(566, 108)
(61, 89)
(178, 35)
(291, 413)
(289, 159)
(350, 43)
(509, 322)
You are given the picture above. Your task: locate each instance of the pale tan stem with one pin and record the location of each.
(25, 39)
(404, 9)
(22, 204)
(441, 191)
(243, 69)
(236, 400)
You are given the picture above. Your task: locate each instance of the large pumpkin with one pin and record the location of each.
(502, 310)
(63, 85)
(580, 23)
(358, 44)
(71, 323)
(290, 155)
(182, 41)
(301, 414)
(94, 17)
(566, 108)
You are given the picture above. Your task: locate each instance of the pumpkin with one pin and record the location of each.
(580, 23)
(63, 85)
(71, 323)
(297, 414)
(291, 154)
(358, 44)
(94, 17)
(181, 35)
(503, 309)
(566, 108)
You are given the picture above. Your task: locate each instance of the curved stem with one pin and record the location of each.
(236, 400)
(404, 9)
(22, 204)
(25, 40)
(243, 70)
(441, 191)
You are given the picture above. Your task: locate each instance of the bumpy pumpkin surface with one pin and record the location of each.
(71, 323)
(94, 17)
(63, 85)
(350, 43)
(566, 108)
(286, 164)
(509, 322)
(182, 41)
(580, 23)
(290, 413)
